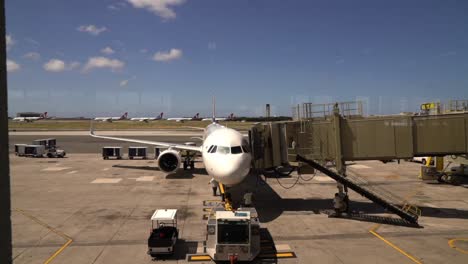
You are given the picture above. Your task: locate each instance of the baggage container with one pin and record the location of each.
(36, 151)
(137, 152)
(48, 143)
(20, 149)
(112, 152)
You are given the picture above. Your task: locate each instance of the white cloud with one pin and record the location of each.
(32, 55)
(117, 6)
(172, 54)
(124, 83)
(9, 41)
(160, 8)
(12, 66)
(92, 29)
(108, 51)
(56, 65)
(103, 62)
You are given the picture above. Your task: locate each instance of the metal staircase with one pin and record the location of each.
(383, 198)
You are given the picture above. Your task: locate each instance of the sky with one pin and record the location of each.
(94, 58)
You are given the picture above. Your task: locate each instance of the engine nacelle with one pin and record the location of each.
(169, 161)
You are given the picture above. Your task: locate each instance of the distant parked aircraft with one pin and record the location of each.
(147, 119)
(230, 117)
(110, 119)
(30, 118)
(179, 119)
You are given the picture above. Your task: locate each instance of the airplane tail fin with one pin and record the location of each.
(161, 115)
(44, 115)
(124, 116)
(196, 116)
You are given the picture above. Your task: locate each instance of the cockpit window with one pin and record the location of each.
(236, 150)
(246, 148)
(209, 150)
(224, 150)
(213, 149)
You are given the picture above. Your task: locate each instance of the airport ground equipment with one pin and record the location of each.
(36, 151)
(189, 157)
(47, 142)
(164, 232)
(157, 151)
(50, 144)
(233, 235)
(349, 182)
(337, 139)
(20, 149)
(137, 152)
(56, 153)
(112, 152)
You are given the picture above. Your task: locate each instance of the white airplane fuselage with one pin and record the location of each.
(230, 163)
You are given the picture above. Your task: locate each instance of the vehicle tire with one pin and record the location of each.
(49, 155)
(423, 161)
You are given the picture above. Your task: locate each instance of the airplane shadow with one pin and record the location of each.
(179, 174)
(270, 205)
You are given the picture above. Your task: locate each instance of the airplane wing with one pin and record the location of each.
(154, 143)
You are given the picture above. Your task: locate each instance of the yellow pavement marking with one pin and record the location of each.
(199, 258)
(56, 253)
(451, 243)
(278, 255)
(373, 231)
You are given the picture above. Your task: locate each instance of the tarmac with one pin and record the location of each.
(83, 209)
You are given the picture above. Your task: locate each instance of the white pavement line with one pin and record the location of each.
(56, 168)
(359, 166)
(105, 169)
(107, 180)
(72, 172)
(145, 178)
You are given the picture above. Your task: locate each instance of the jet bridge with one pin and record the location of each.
(338, 139)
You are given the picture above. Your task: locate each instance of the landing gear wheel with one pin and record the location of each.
(185, 165)
(192, 165)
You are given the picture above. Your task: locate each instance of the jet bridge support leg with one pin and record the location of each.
(341, 199)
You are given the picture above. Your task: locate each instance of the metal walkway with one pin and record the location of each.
(403, 211)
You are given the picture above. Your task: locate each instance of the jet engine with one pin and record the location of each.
(169, 161)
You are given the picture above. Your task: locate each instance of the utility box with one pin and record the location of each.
(48, 143)
(20, 149)
(36, 151)
(112, 152)
(137, 152)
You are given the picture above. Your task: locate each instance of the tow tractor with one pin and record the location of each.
(232, 234)
(164, 233)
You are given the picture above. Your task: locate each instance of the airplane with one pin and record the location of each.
(30, 118)
(181, 119)
(147, 119)
(110, 119)
(225, 153)
(230, 117)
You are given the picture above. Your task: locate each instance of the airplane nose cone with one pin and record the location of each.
(232, 171)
